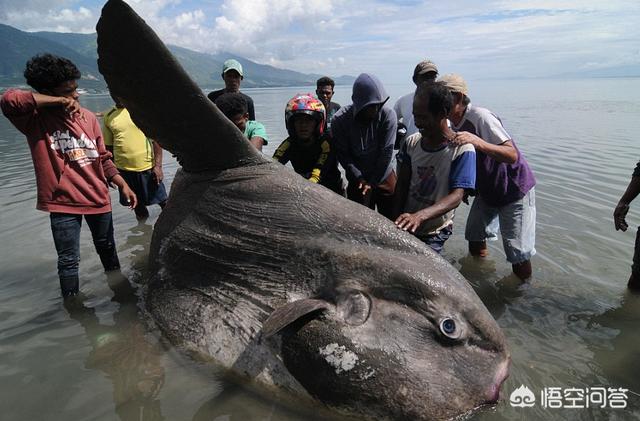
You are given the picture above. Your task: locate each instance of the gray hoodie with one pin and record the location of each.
(365, 148)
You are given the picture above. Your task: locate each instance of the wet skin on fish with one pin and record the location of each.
(292, 288)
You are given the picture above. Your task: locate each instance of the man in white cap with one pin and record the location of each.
(232, 75)
(425, 71)
(504, 183)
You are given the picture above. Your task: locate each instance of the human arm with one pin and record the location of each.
(257, 141)
(491, 138)
(622, 208)
(257, 134)
(20, 107)
(386, 139)
(106, 158)
(504, 152)
(71, 106)
(282, 153)
(157, 162)
(402, 185)
(107, 134)
(412, 221)
(125, 189)
(325, 158)
(340, 142)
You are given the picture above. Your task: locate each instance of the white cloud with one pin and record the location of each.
(496, 38)
(65, 20)
(35, 15)
(248, 26)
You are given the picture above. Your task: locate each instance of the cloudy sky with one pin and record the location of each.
(479, 39)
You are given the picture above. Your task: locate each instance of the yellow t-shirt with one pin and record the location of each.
(132, 150)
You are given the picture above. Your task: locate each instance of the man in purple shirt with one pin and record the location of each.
(504, 183)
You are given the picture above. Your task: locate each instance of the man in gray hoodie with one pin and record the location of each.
(363, 135)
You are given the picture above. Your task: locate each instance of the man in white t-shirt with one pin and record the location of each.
(433, 173)
(424, 71)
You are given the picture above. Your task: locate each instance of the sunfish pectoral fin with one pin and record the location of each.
(161, 98)
(289, 313)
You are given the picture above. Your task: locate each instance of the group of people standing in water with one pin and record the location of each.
(448, 150)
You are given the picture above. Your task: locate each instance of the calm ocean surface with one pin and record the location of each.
(574, 325)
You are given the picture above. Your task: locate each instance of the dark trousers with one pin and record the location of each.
(436, 241)
(380, 196)
(635, 268)
(65, 228)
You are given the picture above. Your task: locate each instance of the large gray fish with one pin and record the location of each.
(286, 284)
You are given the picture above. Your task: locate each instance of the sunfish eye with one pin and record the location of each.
(354, 307)
(449, 329)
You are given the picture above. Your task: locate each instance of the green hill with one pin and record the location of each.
(16, 47)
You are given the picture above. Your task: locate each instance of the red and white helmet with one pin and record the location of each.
(304, 104)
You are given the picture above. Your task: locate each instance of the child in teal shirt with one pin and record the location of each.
(234, 107)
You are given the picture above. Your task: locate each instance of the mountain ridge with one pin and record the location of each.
(16, 47)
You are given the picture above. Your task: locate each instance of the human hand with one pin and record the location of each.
(158, 175)
(71, 106)
(364, 187)
(619, 215)
(131, 196)
(409, 221)
(462, 138)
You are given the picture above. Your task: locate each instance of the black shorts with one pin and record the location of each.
(144, 185)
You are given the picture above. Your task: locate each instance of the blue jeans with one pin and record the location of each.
(65, 228)
(436, 241)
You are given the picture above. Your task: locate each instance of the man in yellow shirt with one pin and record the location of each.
(138, 159)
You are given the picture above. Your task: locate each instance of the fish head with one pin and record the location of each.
(393, 335)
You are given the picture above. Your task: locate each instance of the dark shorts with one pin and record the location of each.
(144, 185)
(635, 268)
(436, 241)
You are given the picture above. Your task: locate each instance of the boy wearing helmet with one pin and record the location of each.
(308, 146)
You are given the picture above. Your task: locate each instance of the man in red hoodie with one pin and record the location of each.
(73, 168)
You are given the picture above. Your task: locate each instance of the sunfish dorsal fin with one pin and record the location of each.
(162, 99)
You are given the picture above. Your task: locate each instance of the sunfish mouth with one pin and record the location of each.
(493, 392)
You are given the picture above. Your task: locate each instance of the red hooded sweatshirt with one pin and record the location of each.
(71, 163)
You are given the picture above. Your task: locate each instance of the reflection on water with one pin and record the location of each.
(122, 349)
(619, 357)
(123, 353)
(573, 325)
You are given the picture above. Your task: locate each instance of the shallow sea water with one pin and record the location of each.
(574, 325)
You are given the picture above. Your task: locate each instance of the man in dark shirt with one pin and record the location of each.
(363, 135)
(232, 75)
(324, 91)
(632, 191)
